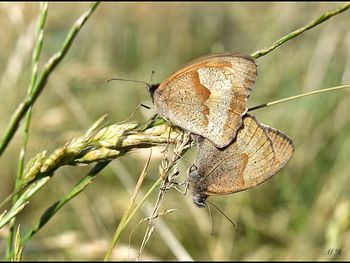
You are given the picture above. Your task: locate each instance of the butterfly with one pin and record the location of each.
(257, 153)
(208, 96)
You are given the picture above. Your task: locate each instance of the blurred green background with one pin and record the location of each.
(300, 213)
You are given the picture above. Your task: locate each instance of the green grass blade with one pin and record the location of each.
(313, 23)
(52, 210)
(44, 76)
(39, 33)
(298, 97)
(126, 214)
(23, 200)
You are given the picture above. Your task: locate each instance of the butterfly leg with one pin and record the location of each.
(134, 111)
(175, 184)
(168, 140)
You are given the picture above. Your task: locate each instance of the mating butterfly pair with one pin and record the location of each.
(208, 98)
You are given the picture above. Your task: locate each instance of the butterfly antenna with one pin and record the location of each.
(211, 221)
(229, 219)
(152, 74)
(130, 80)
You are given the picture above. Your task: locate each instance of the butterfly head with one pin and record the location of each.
(194, 180)
(152, 88)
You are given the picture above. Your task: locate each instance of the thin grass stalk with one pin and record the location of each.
(44, 76)
(39, 34)
(298, 97)
(324, 17)
(142, 201)
(127, 211)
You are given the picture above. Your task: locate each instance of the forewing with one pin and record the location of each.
(208, 97)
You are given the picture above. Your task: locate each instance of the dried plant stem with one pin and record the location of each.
(298, 96)
(18, 246)
(150, 227)
(40, 83)
(127, 211)
(143, 200)
(167, 172)
(317, 21)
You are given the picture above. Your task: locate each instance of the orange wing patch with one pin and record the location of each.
(208, 96)
(203, 95)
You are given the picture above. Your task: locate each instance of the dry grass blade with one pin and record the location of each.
(158, 215)
(18, 246)
(148, 219)
(126, 214)
(168, 172)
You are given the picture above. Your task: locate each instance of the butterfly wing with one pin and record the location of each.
(283, 146)
(257, 154)
(208, 96)
(243, 164)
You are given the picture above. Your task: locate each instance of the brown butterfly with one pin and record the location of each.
(208, 96)
(257, 153)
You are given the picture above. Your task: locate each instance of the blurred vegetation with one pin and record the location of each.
(301, 213)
